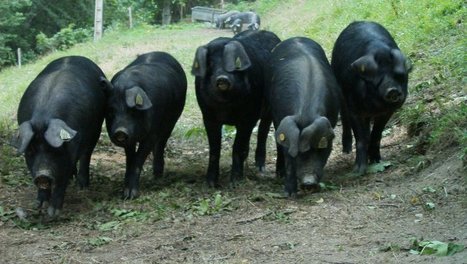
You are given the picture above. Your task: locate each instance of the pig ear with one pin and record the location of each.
(401, 64)
(199, 64)
(58, 132)
(105, 84)
(235, 57)
(365, 66)
(316, 135)
(137, 97)
(287, 135)
(24, 136)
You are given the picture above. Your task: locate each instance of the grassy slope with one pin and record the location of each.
(430, 32)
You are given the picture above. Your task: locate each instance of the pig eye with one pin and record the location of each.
(400, 77)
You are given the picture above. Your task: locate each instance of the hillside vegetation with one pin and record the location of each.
(383, 217)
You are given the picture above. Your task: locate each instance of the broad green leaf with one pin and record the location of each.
(378, 167)
(454, 248)
(435, 247)
(218, 201)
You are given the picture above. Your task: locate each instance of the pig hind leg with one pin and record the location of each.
(83, 173)
(280, 162)
(346, 132)
(158, 152)
(260, 154)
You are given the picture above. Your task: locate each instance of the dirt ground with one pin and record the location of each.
(369, 219)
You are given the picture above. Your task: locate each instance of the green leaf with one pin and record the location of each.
(112, 225)
(328, 186)
(435, 247)
(430, 206)
(378, 167)
(454, 248)
(99, 241)
(429, 189)
(218, 201)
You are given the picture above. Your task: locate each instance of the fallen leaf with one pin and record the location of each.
(378, 167)
(320, 200)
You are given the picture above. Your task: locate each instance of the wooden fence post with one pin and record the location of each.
(19, 57)
(98, 20)
(130, 16)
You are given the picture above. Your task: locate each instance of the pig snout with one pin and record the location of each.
(223, 83)
(44, 179)
(120, 135)
(393, 95)
(310, 180)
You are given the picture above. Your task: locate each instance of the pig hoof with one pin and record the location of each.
(129, 194)
(213, 184)
(261, 168)
(157, 175)
(359, 170)
(233, 184)
(53, 212)
(291, 195)
(38, 204)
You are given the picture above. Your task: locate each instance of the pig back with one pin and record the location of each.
(69, 89)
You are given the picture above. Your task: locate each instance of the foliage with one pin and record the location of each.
(435, 247)
(209, 206)
(64, 39)
(41, 26)
(10, 22)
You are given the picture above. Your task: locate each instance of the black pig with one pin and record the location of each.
(230, 90)
(304, 99)
(145, 100)
(60, 118)
(373, 75)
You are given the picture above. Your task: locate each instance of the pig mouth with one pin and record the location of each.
(43, 182)
(310, 183)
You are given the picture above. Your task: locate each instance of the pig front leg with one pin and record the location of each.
(214, 133)
(375, 138)
(361, 129)
(134, 165)
(240, 151)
